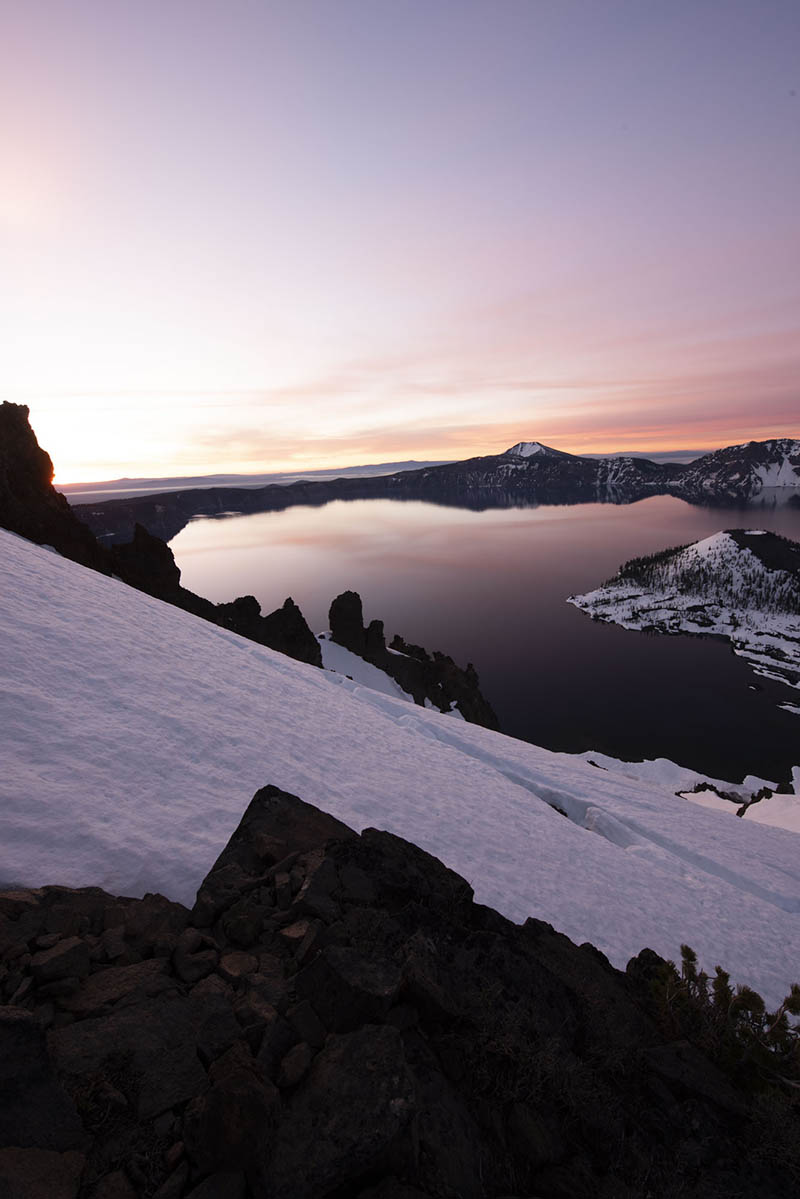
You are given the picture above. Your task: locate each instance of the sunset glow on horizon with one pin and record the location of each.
(282, 236)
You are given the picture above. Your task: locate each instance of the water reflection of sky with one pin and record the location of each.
(489, 587)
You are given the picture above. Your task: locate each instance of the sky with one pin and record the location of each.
(241, 235)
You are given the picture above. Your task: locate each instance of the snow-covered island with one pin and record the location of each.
(742, 584)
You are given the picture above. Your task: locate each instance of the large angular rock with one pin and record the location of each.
(35, 1112)
(157, 1038)
(402, 873)
(346, 622)
(230, 1125)
(39, 1174)
(66, 959)
(153, 924)
(194, 956)
(274, 825)
(346, 1115)
(212, 1014)
(115, 1185)
(277, 1038)
(315, 897)
(391, 1188)
(108, 987)
(222, 1184)
(449, 1137)
(347, 989)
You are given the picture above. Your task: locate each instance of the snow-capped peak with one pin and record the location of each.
(527, 449)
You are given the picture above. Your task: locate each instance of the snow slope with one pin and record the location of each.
(778, 474)
(133, 736)
(339, 660)
(779, 810)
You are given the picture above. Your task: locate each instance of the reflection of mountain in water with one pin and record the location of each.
(776, 497)
(527, 475)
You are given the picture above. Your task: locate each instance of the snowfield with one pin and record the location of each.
(133, 736)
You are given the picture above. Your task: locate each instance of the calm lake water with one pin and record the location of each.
(490, 588)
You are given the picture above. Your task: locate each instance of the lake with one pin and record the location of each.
(490, 588)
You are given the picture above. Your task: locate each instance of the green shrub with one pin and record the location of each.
(732, 1025)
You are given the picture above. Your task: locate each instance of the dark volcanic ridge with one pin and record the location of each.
(527, 474)
(337, 1019)
(100, 491)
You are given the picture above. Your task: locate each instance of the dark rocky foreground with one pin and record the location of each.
(337, 1018)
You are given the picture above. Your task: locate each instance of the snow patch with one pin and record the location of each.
(339, 660)
(778, 474)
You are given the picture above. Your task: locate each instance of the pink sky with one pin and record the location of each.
(258, 236)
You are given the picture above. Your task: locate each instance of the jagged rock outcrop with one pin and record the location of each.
(337, 1018)
(446, 684)
(433, 677)
(31, 507)
(346, 622)
(285, 629)
(29, 504)
(147, 563)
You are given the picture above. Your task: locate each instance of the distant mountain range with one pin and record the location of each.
(117, 489)
(528, 473)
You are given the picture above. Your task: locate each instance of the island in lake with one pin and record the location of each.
(742, 584)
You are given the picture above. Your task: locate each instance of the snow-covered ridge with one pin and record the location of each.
(739, 584)
(746, 470)
(134, 734)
